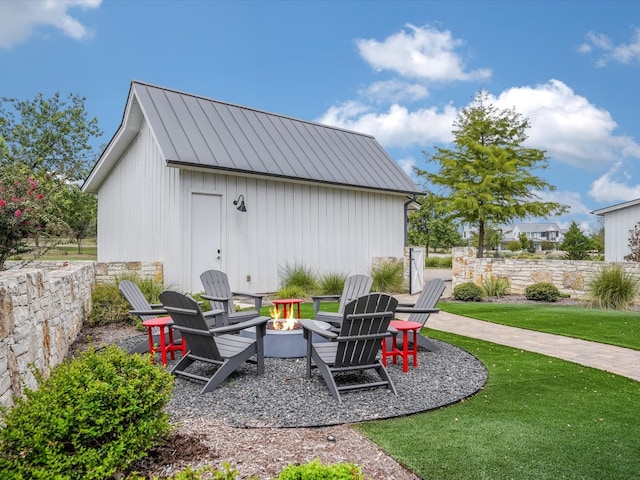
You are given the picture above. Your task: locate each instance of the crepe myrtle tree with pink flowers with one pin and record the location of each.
(23, 216)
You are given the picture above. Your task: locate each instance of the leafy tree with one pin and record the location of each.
(46, 135)
(430, 226)
(576, 245)
(23, 215)
(634, 245)
(489, 176)
(492, 238)
(77, 210)
(43, 142)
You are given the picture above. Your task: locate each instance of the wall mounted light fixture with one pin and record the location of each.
(240, 203)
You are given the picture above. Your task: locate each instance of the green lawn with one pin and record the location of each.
(68, 252)
(537, 418)
(604, 326)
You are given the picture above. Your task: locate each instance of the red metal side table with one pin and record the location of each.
(405, 327)
(288, 302)
(163, 323)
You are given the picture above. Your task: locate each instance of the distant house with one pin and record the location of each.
(619, 222)
(538, 233)
(202, 184)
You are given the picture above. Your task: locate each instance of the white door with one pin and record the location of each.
(416, 270)
(206, 249)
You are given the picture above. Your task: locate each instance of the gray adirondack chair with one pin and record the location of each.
(356, 347)
(216, 345)
(144, 310)
(354, 286)
(218, 292)
(422, 309)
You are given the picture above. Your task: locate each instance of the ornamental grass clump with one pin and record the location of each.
(90, 419)
(299, 276)
(613, 288)
(496, 287)
(331, 283)
(388, 277)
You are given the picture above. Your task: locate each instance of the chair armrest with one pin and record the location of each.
(236, 327)
(215, 299)
(257, 299)
(156, 311)
(406, 304)
(319, 298)
(156, 305)
(312, 326)
(416, 310)
(243, 294)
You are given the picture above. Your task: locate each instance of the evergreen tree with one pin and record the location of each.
(576, 245)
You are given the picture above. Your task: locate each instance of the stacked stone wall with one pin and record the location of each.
(42, 310)
(569, 276)
(41, 313)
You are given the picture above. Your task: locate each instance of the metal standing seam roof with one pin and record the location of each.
(201, 132)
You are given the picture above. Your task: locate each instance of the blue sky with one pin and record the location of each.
(398, 70)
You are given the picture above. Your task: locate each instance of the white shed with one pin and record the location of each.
(619, 222)
(172, 179)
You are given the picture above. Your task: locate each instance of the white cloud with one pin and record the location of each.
(572, 199)
(407, 165)
(421, 52)
(613, 187)
(625, 53)
(567, 126)
(18, 18)
(397, 127)
(394, 91)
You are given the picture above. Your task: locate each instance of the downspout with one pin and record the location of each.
(406, 216)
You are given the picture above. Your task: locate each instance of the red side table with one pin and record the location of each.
(287, 302)
(405, 327)
(163, 323)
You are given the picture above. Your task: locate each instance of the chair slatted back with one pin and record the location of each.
(136, 299)
(216, 284)
(354, 286)
(364, 325)
(431, 293)
(189, 321)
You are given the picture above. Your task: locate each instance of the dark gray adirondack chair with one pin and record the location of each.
(218, 292)
(354, 286)
(356, 347)
(144, 310)
(213, 345)
(423, 308)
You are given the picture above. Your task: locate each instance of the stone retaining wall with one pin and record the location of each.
(41, 314)
(42, 311)
(569, 276)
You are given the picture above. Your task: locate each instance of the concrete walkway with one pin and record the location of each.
(621, 361)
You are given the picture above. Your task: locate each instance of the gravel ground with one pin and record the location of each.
(283, 398)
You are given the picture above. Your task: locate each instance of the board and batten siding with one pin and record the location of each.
(133, 213)
(144, 214)
(325, 229)
(618, 227)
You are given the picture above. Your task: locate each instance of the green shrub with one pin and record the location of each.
(331, 283)
(314, 470)
(299, 276)
(496, 287)
(468, 292)
(542, 292)
(388, 277)
(109, 306)
(89, 419)
(613, 288)
(291, 292)
(205, 305)
(438, 262)
(226, 473)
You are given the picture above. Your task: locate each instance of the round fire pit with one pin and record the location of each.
(285, 343)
